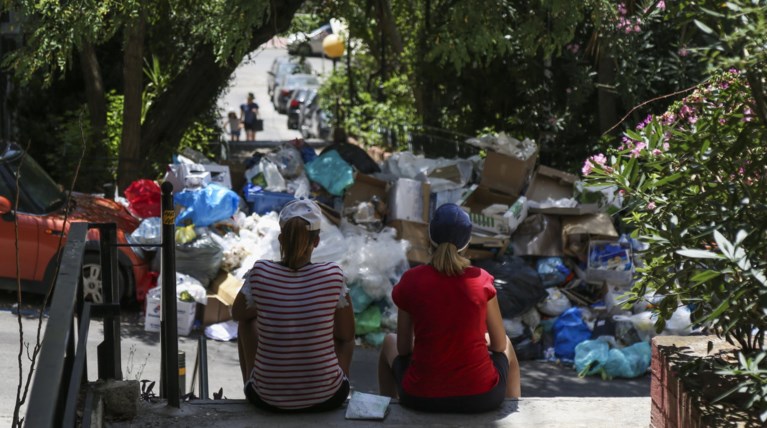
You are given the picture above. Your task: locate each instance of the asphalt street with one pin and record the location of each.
(141, 349)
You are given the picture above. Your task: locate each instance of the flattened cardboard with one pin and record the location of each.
(221, 294)
(507, 174)
(418, 235)
(539, 235)
(363, 190)
(555, 184)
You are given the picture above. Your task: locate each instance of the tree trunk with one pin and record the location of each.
(193, 90)
(606, 98)
(94, 91)
(389, 26)
(130, 162)
(98, 173)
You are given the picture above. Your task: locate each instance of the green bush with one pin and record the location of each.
(695, 188)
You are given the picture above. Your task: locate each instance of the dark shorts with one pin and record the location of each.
(485, 402)
(331, 403)
(249, 126)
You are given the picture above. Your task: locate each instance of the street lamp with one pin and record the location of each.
(333, 47)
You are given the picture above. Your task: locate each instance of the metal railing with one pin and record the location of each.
(61, 368)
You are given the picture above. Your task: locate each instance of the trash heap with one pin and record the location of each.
(562, 270)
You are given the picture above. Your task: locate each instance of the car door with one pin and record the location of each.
(28, 235)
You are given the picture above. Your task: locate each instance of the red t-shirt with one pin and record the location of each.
(450, 356)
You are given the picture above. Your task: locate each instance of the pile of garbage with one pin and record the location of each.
(561, 269)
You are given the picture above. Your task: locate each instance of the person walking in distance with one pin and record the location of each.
(451, 352)
(233, 124)
(296, 322)
(248, 116)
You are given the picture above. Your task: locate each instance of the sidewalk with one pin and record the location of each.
(526, 412)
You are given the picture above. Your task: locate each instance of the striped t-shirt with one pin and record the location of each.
(296, 364)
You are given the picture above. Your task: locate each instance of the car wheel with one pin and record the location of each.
(91, 279)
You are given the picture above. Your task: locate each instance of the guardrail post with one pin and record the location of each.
(108, 351)
(168, 321)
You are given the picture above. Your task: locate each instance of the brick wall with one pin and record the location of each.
(672, 405)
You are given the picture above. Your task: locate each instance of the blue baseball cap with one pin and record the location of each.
(452, 224)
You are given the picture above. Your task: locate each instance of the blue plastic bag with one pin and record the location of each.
(591, 356)
(569, 331)
(629, 362)
(203, 207)
(552, 271)
(331, 172)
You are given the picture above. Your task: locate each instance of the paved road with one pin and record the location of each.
(141, 350)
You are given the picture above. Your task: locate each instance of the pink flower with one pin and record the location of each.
(661, 5)
(573, 48)
(637, 28)
(637, 150)
(656, 152)
(587, 167)
(682, 52)
(668, 118)
(651, 206)
(666, 146)
(692, 119)
(645, 122)
(599, 159)
(622, 9)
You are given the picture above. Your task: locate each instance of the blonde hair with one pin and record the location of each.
(447, 260)
(296, 242)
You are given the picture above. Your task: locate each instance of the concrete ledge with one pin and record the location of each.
(534, 412)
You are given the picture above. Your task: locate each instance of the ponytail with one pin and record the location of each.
(296, 242)
(447, 260)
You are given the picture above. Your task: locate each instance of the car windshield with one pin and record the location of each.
(39, 193)
(294, 67)
(302, 80)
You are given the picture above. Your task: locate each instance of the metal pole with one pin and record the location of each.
(203, 357)
(338, 97)
(168, 321)
(109, 349)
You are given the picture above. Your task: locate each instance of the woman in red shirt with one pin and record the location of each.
(451, 352)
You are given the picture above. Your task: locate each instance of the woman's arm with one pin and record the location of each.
(404, 333)
(241, 311)
(499, 342)
(495, 326)
(343, 335)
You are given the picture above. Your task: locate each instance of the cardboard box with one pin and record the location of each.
(507, 174)
(185, 314)
(418, 235)
(409, 200)
(221, 294)
(219, 174)
(550, 183)
(609, 263)
(480, 198)
(578, 231)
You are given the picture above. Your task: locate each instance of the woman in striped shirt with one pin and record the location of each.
(296, 324)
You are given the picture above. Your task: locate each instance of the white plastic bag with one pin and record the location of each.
(555, 304)
(679, 324)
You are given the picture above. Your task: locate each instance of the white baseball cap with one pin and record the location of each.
(302, 208)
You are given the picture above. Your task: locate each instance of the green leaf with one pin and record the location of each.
(698, 254)
(724, 245)
(704, 276)
(703, 27)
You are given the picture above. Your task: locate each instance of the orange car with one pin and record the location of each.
(40, 217)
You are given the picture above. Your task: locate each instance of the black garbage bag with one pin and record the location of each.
(518, 285)
(200, 258)
(355, 156)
